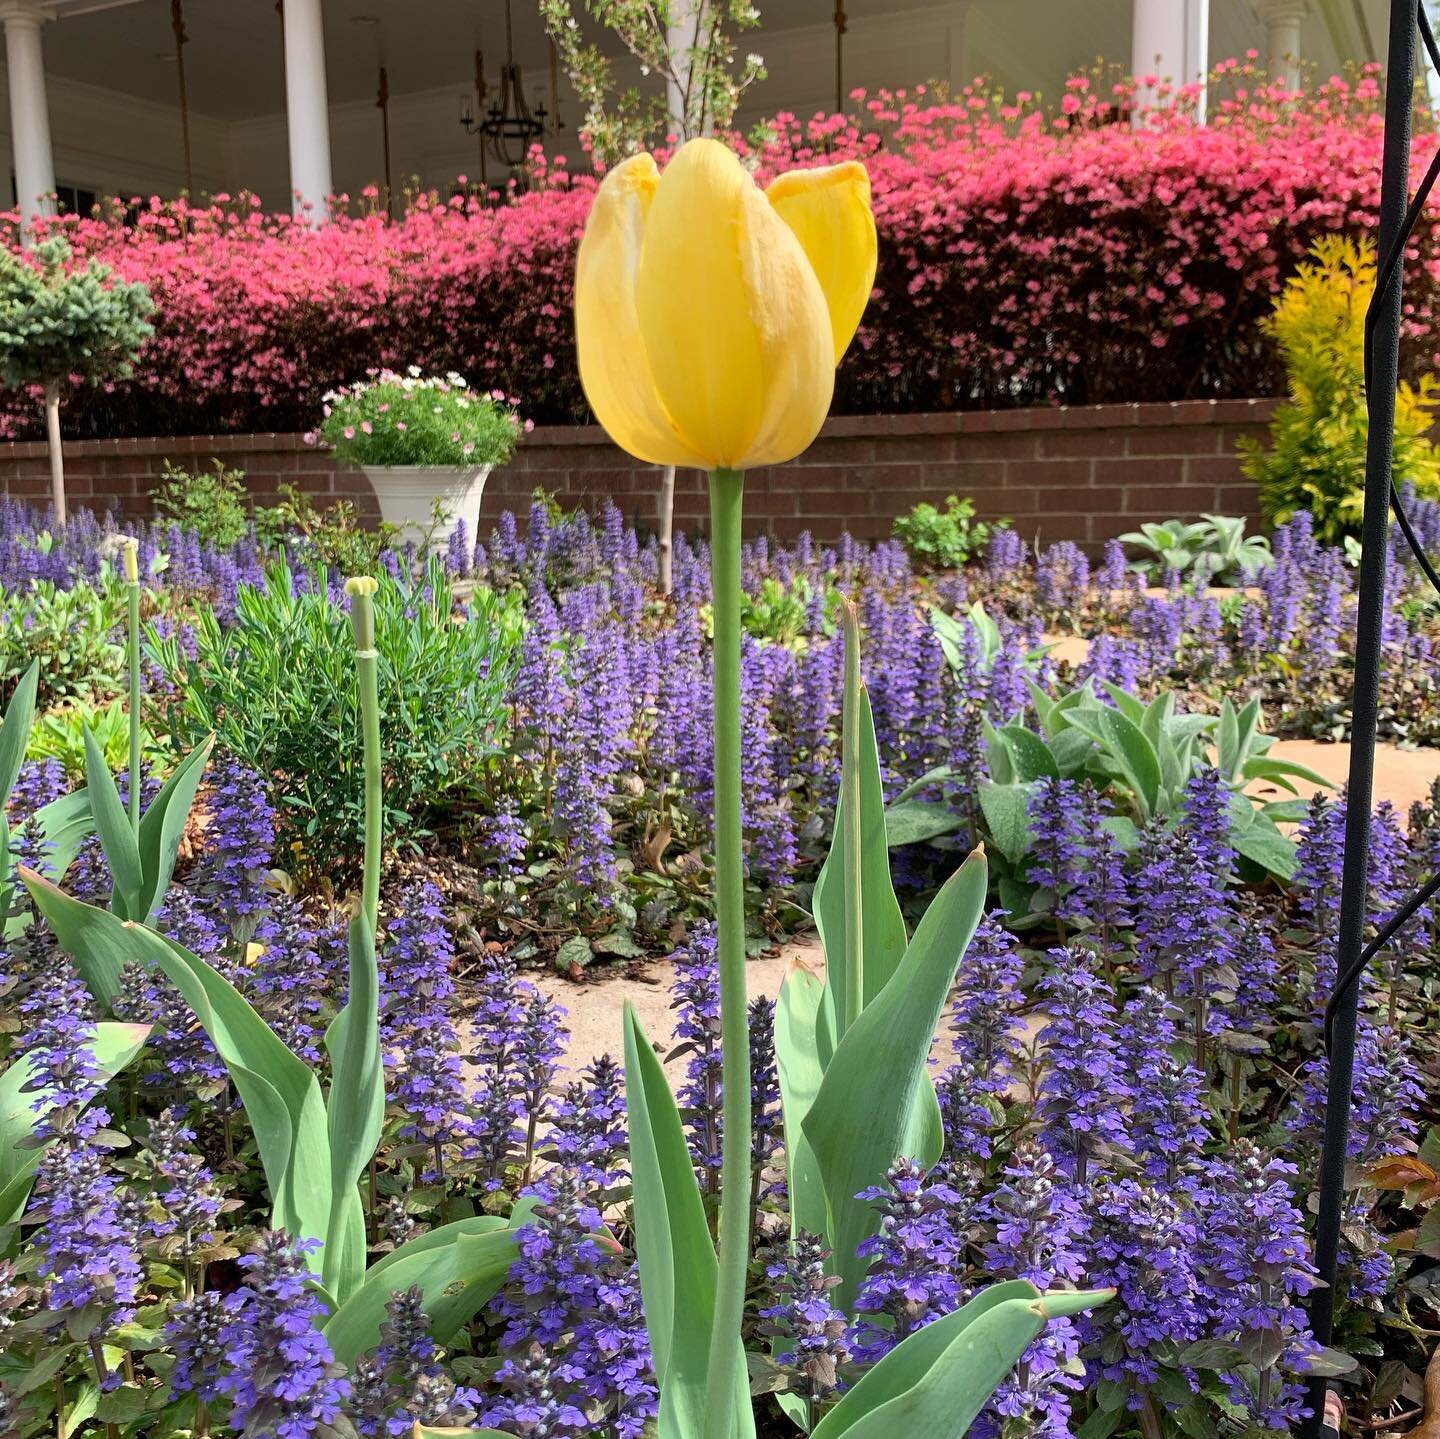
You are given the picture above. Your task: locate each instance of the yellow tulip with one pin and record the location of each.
(710, 316)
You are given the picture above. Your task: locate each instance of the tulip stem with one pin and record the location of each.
(727, 488)
(362, 620)
(132, 646)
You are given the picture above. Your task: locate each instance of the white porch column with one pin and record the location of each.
(307, 107)
(1282, 38)
(1170, 40)
(29, 114)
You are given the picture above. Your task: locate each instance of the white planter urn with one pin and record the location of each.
(408, 496)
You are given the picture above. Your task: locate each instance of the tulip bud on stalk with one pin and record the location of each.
(130, 550)
(709, 319)
(361, 589)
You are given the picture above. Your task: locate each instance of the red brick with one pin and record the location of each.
(1087, 444)
(1078, 500)
(1213, 470)
(1184, 440)
(1048, 473)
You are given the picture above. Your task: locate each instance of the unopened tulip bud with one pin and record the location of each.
(130, 549)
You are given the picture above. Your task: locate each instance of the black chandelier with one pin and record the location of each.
(1398, 215)
(509, 127)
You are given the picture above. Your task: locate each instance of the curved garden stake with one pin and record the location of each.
(1398, 215)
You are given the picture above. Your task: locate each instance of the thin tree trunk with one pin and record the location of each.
(667, 525)
(57, 457)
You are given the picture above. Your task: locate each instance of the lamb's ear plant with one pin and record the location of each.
(315, 1142)
(724, 372)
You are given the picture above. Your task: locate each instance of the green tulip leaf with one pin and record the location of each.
(882, 925)
(861, 1119)
(14, 737)
(355, 1114)
(678, 1270)
(797, 1015)
(162, 827)
(936, 1389)
(114, 1047)
(122, 853)
(458, 1267)
(281, 1095)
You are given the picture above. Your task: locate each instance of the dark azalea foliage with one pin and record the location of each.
(1130, 1072)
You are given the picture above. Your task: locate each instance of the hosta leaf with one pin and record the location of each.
(861, 1116)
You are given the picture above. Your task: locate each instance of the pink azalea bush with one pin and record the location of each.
(1026, 257)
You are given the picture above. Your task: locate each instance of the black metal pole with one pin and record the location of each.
(1384, 372)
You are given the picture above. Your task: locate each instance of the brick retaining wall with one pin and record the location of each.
(1080, 474)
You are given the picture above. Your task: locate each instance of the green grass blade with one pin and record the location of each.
(162, 826)
(861, 1118)
(122, 854)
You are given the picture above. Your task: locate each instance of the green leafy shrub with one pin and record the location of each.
(330, 536)
(944, 539)
(278, 689)
(1316, 459)
(415, 419)
(70, 632)
(60, 736)
(1213, 550)
(212, 504)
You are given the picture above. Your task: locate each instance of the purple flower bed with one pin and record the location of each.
(1130, 1071)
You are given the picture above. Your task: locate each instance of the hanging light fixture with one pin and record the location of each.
(509, 127)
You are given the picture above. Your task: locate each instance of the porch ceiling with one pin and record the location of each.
(235, 72)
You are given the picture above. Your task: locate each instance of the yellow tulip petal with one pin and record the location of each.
(829, 211)
(729, 309)
(613, 367)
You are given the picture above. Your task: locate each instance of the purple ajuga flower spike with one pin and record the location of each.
(1166, 1091)
(422, 1058)
(403, 1383)
(240, 843)
(1145, 1242)
(1258, 1271)
(588, 1133)
(766, 1117)
(1099, 897)
(1084, 1072)
(298, 974)
(279, 1374)
(983, 1037)
(1319, 859)
(1059, 854)
(573, 1294)
(1036, 1219)
(197, 1330)
(695, 998)
(812, 1336)
(189, 1200)
(917, 1257)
